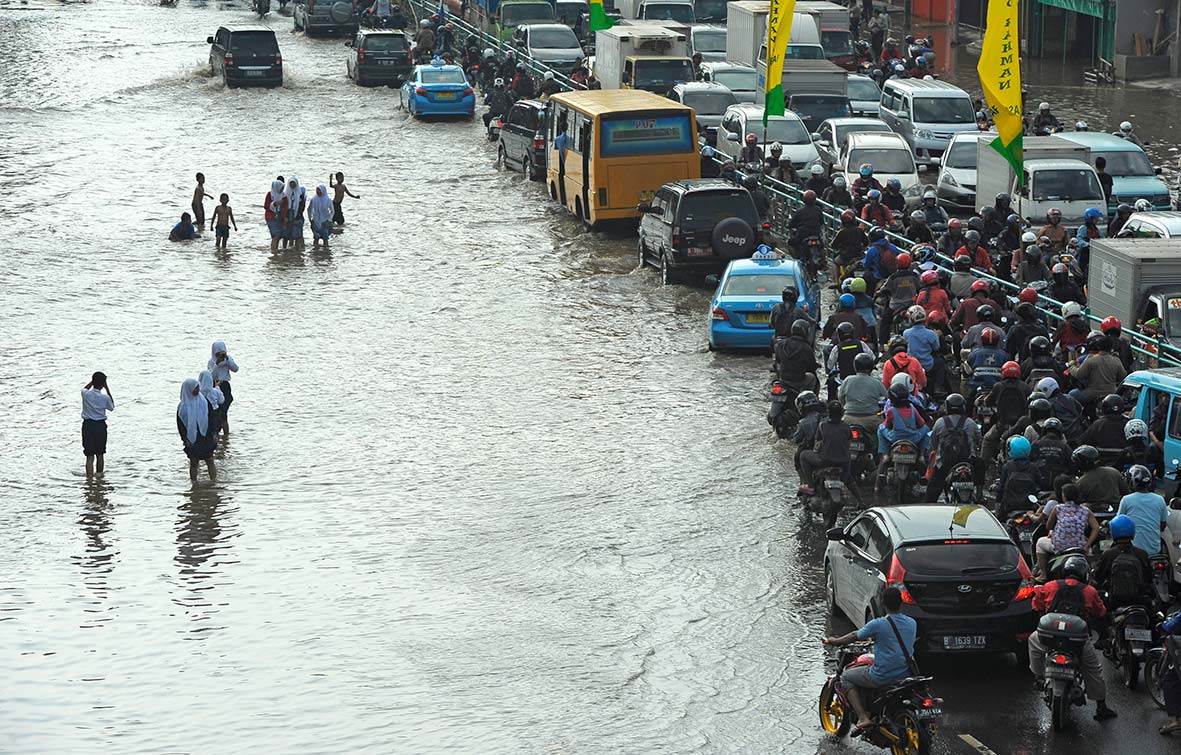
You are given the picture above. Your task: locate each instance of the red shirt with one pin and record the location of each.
(1043, 598)
(966, 312)
(979, 259)
(271, 214)
(934, 299)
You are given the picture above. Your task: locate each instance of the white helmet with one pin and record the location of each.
(549, 75)
(499, 82)
(1029, 237)
(928, 77)
(903, 378)
(1125, 126)
(1048, 386)
(1080, 126)
(916, 314)
(1044, 106)
(1136, 429)
(1143, 205)
(488, 52)
(817, 170)
(423, 24)
(1072, 309)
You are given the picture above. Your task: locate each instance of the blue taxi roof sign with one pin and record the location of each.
(765, 255)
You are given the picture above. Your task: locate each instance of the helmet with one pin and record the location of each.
(1044, 106)
(1040, 409)
(1018, 447)
(728, 165)
(976, 223)
(874, 195)
(521, 67)
(1136, 429)
(1054, 214)
(899, 68)
(963, 262)
(863, 362)
(1051, 425)
(847, 301)
(973, 236)
(891, 42)
(848, 216)
(1028, 295)
(1084, 458)
(1011, 369)
(1013, 219)
(1072, 309)
(498, 82)
(1122, 526)
(1003, 198)
(857, 286)
(1112, 403)
(1029, 237)
(928, 194)
(898, 392)
(1124, 209)
(1077, 568)
(846, 285)
(1092, 215)
(1111, 323)
(897, 345)
(862, 45)
(1059, 269)
(805, 401)
(817, 170)
(790, 294)
(751, 139)
(1080, 126)
(750, 181)
(1139, 477)
(902, 261)
(866, 170)
(985, 313)
(876, 234)
(706, 151)
(776, 148)
(979, 287)
(916, 314)
(549, 75)
(954, 224)
(1143, 205)
(424, 23)
(955, 404)
(1025, 311)
(845, 331)
(839, 182)
(1126, 126)
(809, 197)
(1039, 346)
(929, 278)
(800, 329)
(1048, 385)
(989, 337)
(894, 184)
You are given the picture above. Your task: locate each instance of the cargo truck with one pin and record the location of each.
(652, 58)
(835, 37)
(667, 10)
(1058, 173)
(501, 17)
(1138, 281)
(746, 31)
(807, 77)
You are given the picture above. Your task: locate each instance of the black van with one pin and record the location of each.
(246, 56)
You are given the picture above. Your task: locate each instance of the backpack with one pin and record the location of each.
(1123, 581)
(1020, 483)
(1069, 599)
(887, 261)
(954, 445)
(1011, 402)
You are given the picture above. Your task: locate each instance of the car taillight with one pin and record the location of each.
(229, 59)
(467, 91)
(676, 239)
(538, 141)
(360, 54)
(1025, 591)
(420, 91)
(896, 579)
(278, 60)
(719, 314)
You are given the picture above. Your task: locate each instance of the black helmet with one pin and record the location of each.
(985, 313)
(790, 294)
(1040, 409)
(1084, 458)
(876, 234)
(973, 235)
(863, 362)
(1003, 198)
(976, 223)
(806, 401)
(1039, 346)
(845, 331)
(800, 328)
(1076, 567)
(897, 345)
(1124, 209)
(955, 404)
(1051, 425)
(1026, 311)
(898, 392)
(750, 181)
(1111, 404)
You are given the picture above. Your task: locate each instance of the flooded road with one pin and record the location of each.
(486, 489)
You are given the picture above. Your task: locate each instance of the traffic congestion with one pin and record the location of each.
(964, 375)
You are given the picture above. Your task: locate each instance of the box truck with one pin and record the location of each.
(1058, 173)
(1137, 280)
(652, 58)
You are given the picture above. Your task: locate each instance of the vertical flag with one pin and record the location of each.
(778, 32)
(599, 19)
(1000, 76)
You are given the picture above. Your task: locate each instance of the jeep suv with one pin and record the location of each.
(325, 17)
(245, 56)
(696, 227)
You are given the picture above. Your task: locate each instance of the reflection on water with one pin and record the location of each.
(99, 556)
(204, 528)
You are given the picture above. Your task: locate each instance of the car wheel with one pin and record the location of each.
(643, 253)
(535, 173)
(669, 275)
(501, 157)
(830, 591)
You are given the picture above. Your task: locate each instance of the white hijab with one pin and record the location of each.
(276, 194)
(193, 410)
(208, 391)
(320, 209)
(293, 194)
(218, 346)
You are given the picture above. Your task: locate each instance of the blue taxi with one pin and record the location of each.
(437, 89)
(740, 310)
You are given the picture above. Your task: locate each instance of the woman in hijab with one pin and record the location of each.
(320, 212)
(275, 206)
(193, 423)
(215, 398)
(221, 364)
(296, 199)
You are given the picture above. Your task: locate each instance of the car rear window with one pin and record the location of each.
(254, 41)
(760, 284)
(705, 209)
(959, 558)
(442, 77)
(553, 39)
(390, 43)
(710, 103)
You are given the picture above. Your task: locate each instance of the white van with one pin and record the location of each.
(927, 114)
(890, 156)
(804, 42)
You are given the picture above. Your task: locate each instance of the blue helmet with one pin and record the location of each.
(894, 183)
(1018, 447)
(846, 301)
(1092, 215)
(1122, 526)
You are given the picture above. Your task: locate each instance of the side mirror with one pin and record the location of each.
(1175, 503)
(1157, 170)
(209, 40)
(1032, 500)
(816, 138)
(903, 116)
(348, 43)
(823, 143)
(733, 138)
(646, 209)
(921, 167)
(626, 77)
(836, 534)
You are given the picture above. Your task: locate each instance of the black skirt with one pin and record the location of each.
(224, 387)
(94, 436)
(203, 447)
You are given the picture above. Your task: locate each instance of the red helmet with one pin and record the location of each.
(990, 337)
(937, 318)
(954, 223)
(929, 278)
(1028, 295)
(1110, 323)
(848, 216)
(751, 138)
(979, 286)
(903, 261)
(1010, 369)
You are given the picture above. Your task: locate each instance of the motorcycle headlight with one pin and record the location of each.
(946, 178)
(924, 133)
(914, 191)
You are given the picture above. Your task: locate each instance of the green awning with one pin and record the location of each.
(1096, 8)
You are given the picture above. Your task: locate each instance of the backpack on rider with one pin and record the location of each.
(954, 444)
(1069, 599)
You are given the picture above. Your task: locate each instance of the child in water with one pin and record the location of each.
(223, 215)
(338, 198)
(184, 230)
(221, 364)
(199, 201)
(95, 405)
(197, 432)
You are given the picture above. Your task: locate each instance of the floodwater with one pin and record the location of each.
(486, 489)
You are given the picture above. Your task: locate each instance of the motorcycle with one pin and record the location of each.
(810, 251)
(861, 452)
(1064, 637)
(782, 415)
(1162, 581)
(959, 488)
(984, 411)
(905, 715)
(829, 496)
(903, 469)
(494, 127)
(1129, 637)
(1024, 531)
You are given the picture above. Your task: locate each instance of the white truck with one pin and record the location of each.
(746, 33)
(669, 10)
(1058, 173)
(652, 58)
(1138, 281)
(835, 37)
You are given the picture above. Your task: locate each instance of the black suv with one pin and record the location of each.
(697, 226)
(246, 56)
(962, 579)
(379, 57)
(522, 139)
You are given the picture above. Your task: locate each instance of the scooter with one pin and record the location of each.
(829, 496)
(903, 470)
(959, 487)
(1129, 637)
(861, 453)
(1064, 637)
(782, 415)
(494, 127)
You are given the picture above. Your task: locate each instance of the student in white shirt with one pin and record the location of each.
(95, 405)
(221, 364)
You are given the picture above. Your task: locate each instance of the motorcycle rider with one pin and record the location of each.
(955, 438)
(982, 368)
(845, 314)
(1033, 267)
(863, 305)
(1146, 509)
(787, 312)
(874, 212)
(424, 43)
(898, 292)
(1010, 398)
(710, 168)
(549, 85)
(1099, 486)
(1071, 526)
(1107, 432)
(1023, 330)
(850, 241)
(1039, 363)
(1062, 288)
(987, 317)
(832, 450)
(864, 183)
(752, 153)
(891, 661)
(1045, 122)
(1126, 133)
(1101, 374)
(882, 259)
(932, 298)
(1122, 213)
(1054, 230)
(1089, 230)
(489, 70)
(1074, 329)
(967, 314)
(795, 358)
(498, 102)
(926, 347)
(1018, 478)
(808, 407)
(901, 421)
(862, 394)
(841, 358)
(1066, 408)
(1120, 346)
(936, 215)
(918, 232)
(1050, 454)
(1139, 449)
(838, 194)
(1072, 595)
(953, 240)
(893, 199)
(807, 222)
(976, 251)
(729, 173)
(523, 86)
(762, 205)
(817, 181)
(962, 279)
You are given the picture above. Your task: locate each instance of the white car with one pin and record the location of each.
(710, 41)
(890, 156)
(787, 129)
(831, 135)
(555, 45)
(956, 185)
(1152, 225)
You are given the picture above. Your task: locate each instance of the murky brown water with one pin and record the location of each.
(486, 490)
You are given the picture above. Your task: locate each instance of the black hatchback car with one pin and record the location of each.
(962, 579)
(697, 226)
(522, 139)
(246, 56)
(379, 57)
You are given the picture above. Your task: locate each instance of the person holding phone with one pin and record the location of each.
(221, 364)
(96, 402)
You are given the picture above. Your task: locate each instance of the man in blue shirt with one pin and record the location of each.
(890, 660)
(924, 345)
(1147, 510)
(184, 230)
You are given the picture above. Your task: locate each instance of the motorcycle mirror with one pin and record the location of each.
(711, 279)
(1175, 503)
(733, 138)
(836, 534)
(1032, 499)
(209, 40)
(921, 168)
(1157, 169)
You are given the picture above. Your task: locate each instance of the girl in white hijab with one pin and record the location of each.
(221, 364)
(320, 212)
(192, 422)
(276, 213)
(296, 200)
(214, 396)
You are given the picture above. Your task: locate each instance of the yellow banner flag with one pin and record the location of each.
(960, 516)
(1000, 76)
(778, 33)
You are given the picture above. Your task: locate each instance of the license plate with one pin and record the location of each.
(1059, 672)
(905, 458)
(965, 642)
(830, 484)
(254, 73)
(923, 713)
(857, 446)
(703, 251)
(1138, 635)
(445, 95)
(386, 62)
(963, 486)
(1026, 537)
(759, 318)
